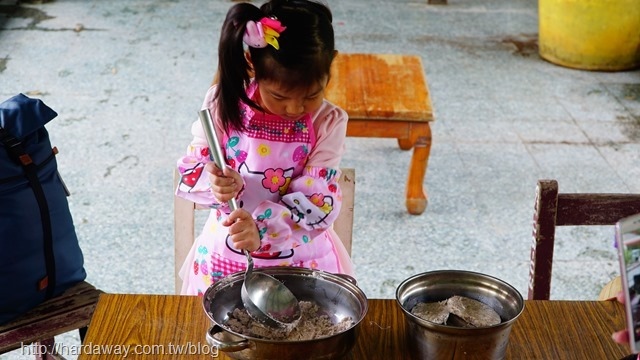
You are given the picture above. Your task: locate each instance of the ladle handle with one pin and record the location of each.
(215, 153)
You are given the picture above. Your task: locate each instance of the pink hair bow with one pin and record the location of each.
(262, 33)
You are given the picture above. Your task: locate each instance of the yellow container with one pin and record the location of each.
(590, 34)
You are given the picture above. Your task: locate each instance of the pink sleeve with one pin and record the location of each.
(310, 207)
(194, 183)
(330, 126)
(208, 103)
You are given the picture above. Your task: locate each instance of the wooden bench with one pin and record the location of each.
(386, 96)
(69, 311)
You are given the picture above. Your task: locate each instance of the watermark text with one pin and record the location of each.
(123, 350)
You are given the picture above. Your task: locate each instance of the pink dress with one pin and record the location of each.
(290, 171)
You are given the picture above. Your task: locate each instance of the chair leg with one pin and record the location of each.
(83, 333)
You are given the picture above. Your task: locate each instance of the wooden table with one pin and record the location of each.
(386, 96)
(545, 330)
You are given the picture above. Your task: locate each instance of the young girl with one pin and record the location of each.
(282, 141)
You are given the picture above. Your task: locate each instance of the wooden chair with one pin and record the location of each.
(69, 311)
(184, 220)
(568, 209)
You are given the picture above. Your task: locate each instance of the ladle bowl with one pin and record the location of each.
(267, 300)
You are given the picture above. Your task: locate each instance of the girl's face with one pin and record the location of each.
(291, 104)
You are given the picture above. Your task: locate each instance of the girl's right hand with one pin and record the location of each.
(622, 336)
(225, 184)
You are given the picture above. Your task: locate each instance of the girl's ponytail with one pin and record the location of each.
(302, 58)
(233, 68)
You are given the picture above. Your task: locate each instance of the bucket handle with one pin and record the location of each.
(349, 278)
(224, 346)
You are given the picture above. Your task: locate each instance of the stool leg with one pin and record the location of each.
(44, 347)
(47, 350)
(405, 144)
(416, 200)
(83, 333)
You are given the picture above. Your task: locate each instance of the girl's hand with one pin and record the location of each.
(225, 184)
(622, 336)
(243, 230)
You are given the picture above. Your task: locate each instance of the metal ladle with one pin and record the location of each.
(265, 298)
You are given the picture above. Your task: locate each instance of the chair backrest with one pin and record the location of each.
(184, 219)
(570, 209)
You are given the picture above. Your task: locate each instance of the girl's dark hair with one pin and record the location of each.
(304, 58)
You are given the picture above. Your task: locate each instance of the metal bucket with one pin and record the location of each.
(436, 341)
(337, 295)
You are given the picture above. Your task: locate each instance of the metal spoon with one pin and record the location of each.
(265, 298)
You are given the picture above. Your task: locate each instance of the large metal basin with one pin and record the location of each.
(338, 296)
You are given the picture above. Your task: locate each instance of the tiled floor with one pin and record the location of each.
(127, 78)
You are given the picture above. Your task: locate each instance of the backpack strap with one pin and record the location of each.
(16, 151)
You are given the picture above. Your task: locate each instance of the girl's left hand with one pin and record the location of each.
(243, 230)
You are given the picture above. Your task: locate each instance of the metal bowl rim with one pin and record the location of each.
(419, 320)
(233, 279)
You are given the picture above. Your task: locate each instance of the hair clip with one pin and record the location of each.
(262, 33)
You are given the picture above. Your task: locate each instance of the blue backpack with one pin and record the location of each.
(39, 252)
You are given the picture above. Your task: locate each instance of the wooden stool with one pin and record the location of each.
(68, 311)
(386, 96)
